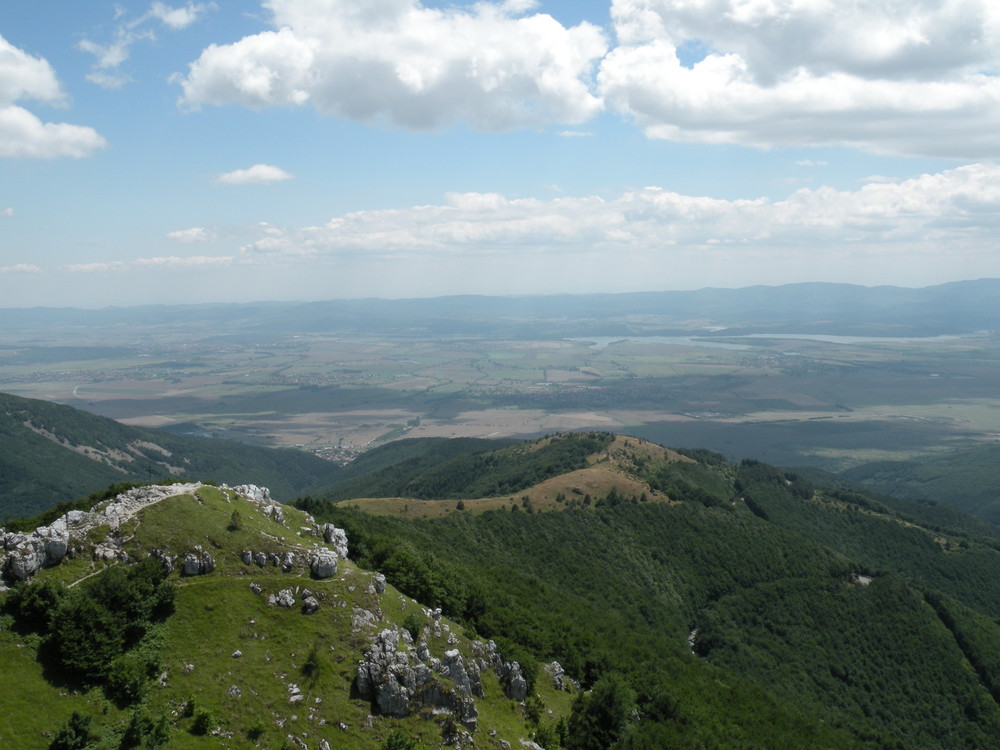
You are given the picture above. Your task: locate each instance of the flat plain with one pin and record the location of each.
(826, 401)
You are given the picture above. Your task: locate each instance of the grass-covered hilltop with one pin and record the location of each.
(580, 591)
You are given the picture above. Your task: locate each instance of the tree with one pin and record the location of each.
(600, 717)
(74, 735)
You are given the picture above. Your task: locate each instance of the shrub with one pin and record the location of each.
(398, 741)
(413, 623)
(203, 722)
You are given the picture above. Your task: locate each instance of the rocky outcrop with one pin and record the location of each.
(515, 686)
(555, 671)
(168, 561)
(395, 677)
(253, 493)
(25, 554)
(198, 563)
(284, 598)
(337, 538)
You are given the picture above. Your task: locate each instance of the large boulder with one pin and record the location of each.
(323, 563)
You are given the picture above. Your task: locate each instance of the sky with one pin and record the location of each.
(159, 152)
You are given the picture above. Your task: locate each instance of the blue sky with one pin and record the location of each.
(308, 149)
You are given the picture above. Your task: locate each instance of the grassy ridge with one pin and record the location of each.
(454, 471)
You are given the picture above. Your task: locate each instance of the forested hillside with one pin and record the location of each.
(829, 614)
(691, 602)
(964, 479)
(50, 453)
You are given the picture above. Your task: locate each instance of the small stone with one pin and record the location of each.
(237, 654)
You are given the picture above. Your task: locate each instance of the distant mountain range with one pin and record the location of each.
(957, 307)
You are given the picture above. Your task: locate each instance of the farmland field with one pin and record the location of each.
(822, 400)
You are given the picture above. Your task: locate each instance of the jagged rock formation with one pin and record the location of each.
(511, 677)
(198, 563)
(22, 555)
(559, 677)
(336, 537)
(399, 681)
(401, 677)
(284, 598)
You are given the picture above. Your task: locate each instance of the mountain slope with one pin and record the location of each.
(829, 598)
(51, 453)
(737, 606)
(241, 661)
(964, 479)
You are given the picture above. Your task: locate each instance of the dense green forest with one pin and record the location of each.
(964, 479)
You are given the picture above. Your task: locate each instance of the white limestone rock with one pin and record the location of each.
(323, 563)
(336, 537)
(284, 598)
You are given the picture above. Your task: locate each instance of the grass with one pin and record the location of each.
(22, 724)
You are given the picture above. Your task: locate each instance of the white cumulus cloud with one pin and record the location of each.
(188, 236)
(891, 76)
(488, 65)
(258, 174)
(23, 134)
(178, 18)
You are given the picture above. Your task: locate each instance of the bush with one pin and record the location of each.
(312, 665)
(139, 726)
(128, 676)
(398, 741)
(74, 735)
(413, 624)
(203, 722)
(256, 730)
